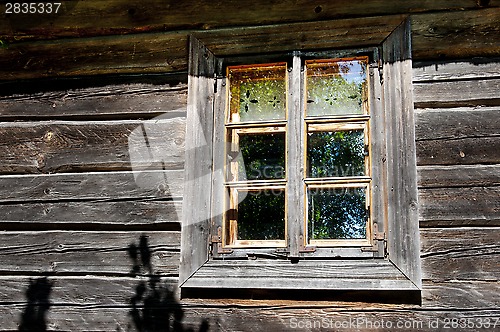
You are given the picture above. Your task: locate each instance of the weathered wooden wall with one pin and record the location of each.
(86, 226)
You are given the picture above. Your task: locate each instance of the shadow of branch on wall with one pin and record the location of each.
(37, 296)
(154, 305)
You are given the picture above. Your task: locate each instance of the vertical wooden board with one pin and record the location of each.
(378, 158)
(403, 238)
(295, 161)
(198, 160)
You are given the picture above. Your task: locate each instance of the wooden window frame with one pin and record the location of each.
(394, 190)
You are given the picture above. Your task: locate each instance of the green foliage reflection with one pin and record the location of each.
(263, 156)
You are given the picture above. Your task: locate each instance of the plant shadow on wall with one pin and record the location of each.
(154, 305)
(34, 315)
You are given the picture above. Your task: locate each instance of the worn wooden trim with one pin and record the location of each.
(401, 159)
(345, 275)
(84, 253)
(196, 212)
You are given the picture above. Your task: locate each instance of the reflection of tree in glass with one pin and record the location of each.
(261, 216)
(338, 153)
(337, 213)
(263, 155)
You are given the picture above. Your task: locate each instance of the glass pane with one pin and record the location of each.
(263, 156)
(261, 215)
(339, 153)
(257, 92)
(336, 87)
(337, 213)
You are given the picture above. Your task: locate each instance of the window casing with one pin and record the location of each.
(212, 255)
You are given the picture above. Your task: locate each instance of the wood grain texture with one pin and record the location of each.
(231, 318)
(458, 176)
(464, 253)
(94, 186)
(122, 101)
(62, 146)
(122, 17)
(457, 93)
(92, 215)
(454, 34)
(473, 68)
(459, 206)
(83, 253)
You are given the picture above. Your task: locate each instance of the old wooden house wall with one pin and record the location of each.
(84, 230)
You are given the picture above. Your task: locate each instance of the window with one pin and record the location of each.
(301, 169)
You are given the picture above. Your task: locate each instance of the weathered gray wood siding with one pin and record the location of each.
(88, 219)
(71, 207)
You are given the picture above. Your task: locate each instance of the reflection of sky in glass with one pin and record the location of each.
(336, 87)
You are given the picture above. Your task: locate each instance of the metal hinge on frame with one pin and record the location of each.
(378, 237)
(216, 244)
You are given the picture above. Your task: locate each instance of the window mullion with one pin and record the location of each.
(295, 160)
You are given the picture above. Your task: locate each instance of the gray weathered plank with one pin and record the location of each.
(458, 176)
(456, 93)
(91, 186)
(465, 253)
(459, 206)
(456, 70)
(86, 252)
(118, 16)
(92, 215)
(110, 101)
(254, 318)
(459, 151)
(456, 123)
(62, 146)
(456, 34)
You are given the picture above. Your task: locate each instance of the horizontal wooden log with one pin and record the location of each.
(95, 186)
(474, 68)
(113, 291)
(456, 123)
(106, 102)
(456, 34)
(62, 146)
(229, 318)
(457, 93)
(452, 34)
(459, 151)
(466, 253)
(108, 253)
(459, 206)
(91, 215)
(458, 176)
(118, 16)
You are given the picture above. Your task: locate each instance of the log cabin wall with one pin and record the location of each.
(90, 236)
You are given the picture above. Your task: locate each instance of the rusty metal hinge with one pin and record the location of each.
(216, 243)
(305, 248)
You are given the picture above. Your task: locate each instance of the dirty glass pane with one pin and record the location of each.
(261, 215)
(263, 156)
(257, 92)
(335, 153)
(336, 213)
(336, 87)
